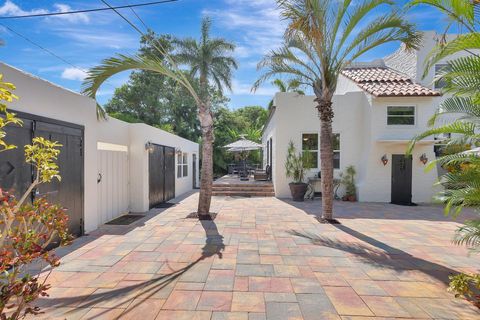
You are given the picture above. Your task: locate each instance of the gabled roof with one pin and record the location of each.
(386, 82)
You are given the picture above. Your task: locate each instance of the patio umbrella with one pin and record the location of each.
(243, 145)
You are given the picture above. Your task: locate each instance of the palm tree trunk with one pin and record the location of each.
(206, 177)
(325, 111)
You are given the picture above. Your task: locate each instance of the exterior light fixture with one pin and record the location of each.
(384, 159)
(178, 151)
(423, 159)
(149, 146)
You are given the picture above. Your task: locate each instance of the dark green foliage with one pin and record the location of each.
(229, 125)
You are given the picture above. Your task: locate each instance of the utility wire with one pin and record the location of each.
(87, 10)
(41, 47)
(138, 17)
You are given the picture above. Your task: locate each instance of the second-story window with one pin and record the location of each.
(440, 68)
(182, 165)
(310, 149)
(401, 116)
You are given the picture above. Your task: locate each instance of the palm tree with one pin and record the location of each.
(208, 58)
(322, 37)
(292, 85)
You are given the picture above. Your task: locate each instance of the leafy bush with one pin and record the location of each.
(347, 179)
(295, 164)
(27, 229)
(467, 285)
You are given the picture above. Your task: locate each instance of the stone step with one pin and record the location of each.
(242, 194)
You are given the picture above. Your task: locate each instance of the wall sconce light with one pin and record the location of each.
(384, 159)
(149, 146)
(178, 151)
(423, 159)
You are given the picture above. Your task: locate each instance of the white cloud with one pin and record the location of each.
(92, 37)
(73, 18)
(9, 8)
(73, 74)
(257, 23)
(240, 88)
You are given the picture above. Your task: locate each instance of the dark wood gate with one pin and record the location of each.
(16, 175)
(401, 179)
(161, 166)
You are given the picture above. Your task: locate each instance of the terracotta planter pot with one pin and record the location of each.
(298, 191)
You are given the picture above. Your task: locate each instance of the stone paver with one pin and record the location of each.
(265, 259)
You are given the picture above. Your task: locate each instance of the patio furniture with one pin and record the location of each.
(263, 175)
(243, 146)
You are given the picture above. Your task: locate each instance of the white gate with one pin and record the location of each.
(112, 186)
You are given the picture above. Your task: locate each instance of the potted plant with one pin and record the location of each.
(294, 169)
(348, 180)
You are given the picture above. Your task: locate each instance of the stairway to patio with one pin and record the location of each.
(231, 186)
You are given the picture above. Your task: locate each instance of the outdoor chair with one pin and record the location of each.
(262, 175)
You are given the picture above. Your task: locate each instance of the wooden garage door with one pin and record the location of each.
(161, 164)
(16, 175)
(112, 184)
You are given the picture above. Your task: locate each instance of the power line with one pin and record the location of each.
(41, 47)
(138, 17)
(88, 10)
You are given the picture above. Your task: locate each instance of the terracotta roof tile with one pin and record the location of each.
(386, 82)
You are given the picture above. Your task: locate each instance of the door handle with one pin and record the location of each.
(99, 178)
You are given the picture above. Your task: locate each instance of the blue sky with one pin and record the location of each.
(85, 39)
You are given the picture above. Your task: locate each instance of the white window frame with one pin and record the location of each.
(401, 125)
(182, 165)
(317, 150)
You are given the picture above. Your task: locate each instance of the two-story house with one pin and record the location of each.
(379, 107)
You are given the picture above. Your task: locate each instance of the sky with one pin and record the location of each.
(83, 40)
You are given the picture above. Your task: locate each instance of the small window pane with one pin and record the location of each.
(400, 115)
(336, 159)
(185, 170)
(311, 159)
(310, 141)
(185, 158)
(336, 141)
(179, 171)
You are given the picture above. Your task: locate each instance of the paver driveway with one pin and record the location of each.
(264, 258)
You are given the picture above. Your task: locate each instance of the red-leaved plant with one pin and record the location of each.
(27, 229)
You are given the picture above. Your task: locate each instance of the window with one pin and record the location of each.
(310, 149)
(182, 165)
(440, 68)
(336, 150)
(401, 116)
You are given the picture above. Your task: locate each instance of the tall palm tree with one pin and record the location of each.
(322, 37)
(209, 58)
(292, 85)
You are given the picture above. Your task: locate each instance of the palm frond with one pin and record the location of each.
(459, 127)
(457, 105)
(111, 66)
(468, 235)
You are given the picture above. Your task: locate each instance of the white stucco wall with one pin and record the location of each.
(360, 119)
(42, 98)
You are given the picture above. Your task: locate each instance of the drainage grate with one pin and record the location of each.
(165, 205)
(125, 219)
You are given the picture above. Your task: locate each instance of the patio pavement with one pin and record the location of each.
(265, 258)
